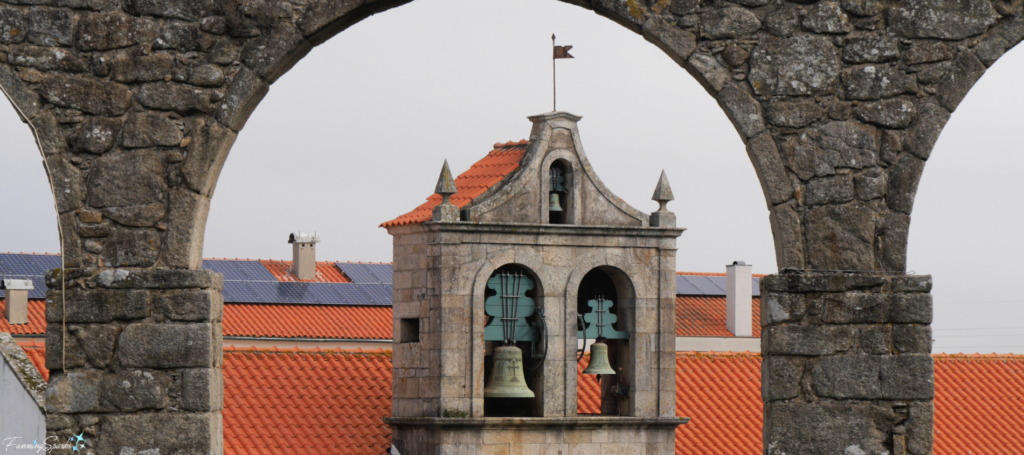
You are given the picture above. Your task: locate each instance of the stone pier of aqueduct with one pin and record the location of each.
(135, 105)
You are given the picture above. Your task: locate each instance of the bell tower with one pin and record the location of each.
(513, 277)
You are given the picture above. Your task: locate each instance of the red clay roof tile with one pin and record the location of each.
(333, 401)
(262, 320)
(308, 321)
(704, 316)
(482, 175)
(36, 352)
(306, 402)
(36, 319)
(326, 272)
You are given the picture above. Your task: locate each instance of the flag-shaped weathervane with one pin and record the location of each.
(559, 52)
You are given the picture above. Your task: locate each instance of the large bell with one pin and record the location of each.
(599, 360)
(555, 206)
(507, 379)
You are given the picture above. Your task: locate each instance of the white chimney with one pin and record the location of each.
(303, 254)
(738, 281)
(16, 296)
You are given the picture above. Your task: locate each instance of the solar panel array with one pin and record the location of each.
(29, 267)
(366, 273)
(708, 285)
(251, 282)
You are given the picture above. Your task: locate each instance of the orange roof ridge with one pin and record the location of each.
(511, 143)
(481, 176)
(326, 272)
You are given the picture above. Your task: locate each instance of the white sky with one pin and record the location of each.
(356, 133)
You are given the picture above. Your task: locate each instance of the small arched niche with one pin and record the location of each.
(521, 288)
(559, 192)
(612, 285)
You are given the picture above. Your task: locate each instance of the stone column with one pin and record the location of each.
(135, 360)
(847, 364)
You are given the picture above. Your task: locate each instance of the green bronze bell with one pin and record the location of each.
(599, 360)
(507, 379)
(555, 206)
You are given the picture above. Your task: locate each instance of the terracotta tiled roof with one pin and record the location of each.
(704, 316)
(262, 320)
(308, 321)
(292, 401)
(588, 396)
(721, 393)
(979, 404)
(481, 175)
(695, 316)
(306, 402)
(36, 319)
(326, 272)
(36, 352)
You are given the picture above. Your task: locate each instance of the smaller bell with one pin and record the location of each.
(555, 206)
(599, 360)
(507, 379)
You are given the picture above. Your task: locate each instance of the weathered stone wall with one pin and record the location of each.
(441, 270)
(136, 103)
(440, 276)
(569, 436)
(847, 366)
(139, 364)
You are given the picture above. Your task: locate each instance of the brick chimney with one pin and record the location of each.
(303, 254)
(16, 297)
(738, 294)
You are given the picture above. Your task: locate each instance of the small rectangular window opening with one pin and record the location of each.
(410, 330)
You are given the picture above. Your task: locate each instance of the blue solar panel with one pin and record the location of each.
(684, 287)
(239, 292)
(266, 292)
(29, 267)
(350, 294)
(324, 294)
(708, 285)
(239, 270)
(378, 294)
(383, 272)
(47, 262)
(39, 288)
(359, 273)
(20, 264)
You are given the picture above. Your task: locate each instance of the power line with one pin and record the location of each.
(983, 328)
(981, 301)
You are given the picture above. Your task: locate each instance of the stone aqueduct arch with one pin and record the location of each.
(135, 105)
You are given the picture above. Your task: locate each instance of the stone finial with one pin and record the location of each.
(445, 183)
(445, 212)
(663, 194)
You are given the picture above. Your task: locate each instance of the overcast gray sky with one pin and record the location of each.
(356, 133)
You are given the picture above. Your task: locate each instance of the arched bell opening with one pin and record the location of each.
(515, 345)
(559, 188)
(605, 308)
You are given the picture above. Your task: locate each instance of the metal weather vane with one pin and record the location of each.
(558, 52)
